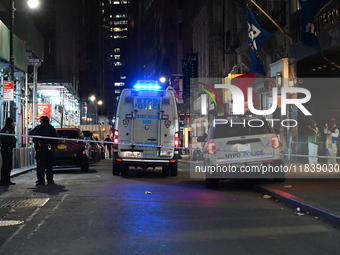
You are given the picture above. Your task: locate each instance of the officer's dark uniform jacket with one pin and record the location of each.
(46, 130)
(7, 141)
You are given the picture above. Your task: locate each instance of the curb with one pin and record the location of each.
(326, 214)
(18, 171)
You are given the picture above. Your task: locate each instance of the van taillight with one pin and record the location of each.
(211, 147)
(115, 139)
(177, 140)
(276, 143)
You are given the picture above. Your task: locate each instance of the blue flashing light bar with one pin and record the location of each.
(147, 85)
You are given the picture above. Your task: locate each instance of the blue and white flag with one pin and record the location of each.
(257, 37)
(309, 8)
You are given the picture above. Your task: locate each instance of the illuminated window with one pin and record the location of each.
(118, 91)
(122, 77)
(119, 36)
(120, 29)
(120, 22)
(119, 84)
(117, 63)
(122, 15)
(117, 56)
(116, 2)
(116, 50)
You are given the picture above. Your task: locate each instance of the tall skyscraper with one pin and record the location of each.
(115, 26)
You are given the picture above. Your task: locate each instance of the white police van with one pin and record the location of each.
(242, 147)
(146, 130)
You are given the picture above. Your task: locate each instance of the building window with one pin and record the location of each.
(119, 84)
(117, 91)
(117, 56)
(116, 50)
(120, 29)
(119, 36)
(121, 15)
(122, 77)
(120, 22)
(117, 63)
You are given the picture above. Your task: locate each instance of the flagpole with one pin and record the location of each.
(273, 21)
(323, 8)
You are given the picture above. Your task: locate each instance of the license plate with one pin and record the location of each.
(62, 146)
(133, 154)
(165, 153)
(243, 147)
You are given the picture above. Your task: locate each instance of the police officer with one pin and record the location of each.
(44, 148)
(7, 145)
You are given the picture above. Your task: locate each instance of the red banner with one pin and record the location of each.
(45, 110)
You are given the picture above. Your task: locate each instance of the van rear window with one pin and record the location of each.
(240, 129)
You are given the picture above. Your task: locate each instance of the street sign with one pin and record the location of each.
(9, 90)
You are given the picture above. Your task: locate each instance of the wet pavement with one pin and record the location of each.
(313, 193)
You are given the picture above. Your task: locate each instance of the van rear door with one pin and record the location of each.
(146, 123)
(151, 125)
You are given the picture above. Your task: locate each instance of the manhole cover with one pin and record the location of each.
(4, 223)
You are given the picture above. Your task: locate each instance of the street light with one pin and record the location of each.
(92, 98)
(95, 103)
(162, 79)
(33, 3)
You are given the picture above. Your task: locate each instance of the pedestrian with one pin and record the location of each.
(7, 144)
(332, 135)
(44, 148)
(108, 144)
(313, 138)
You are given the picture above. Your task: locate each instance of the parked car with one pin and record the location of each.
(71, 151)
(95, 145)
(241, 146)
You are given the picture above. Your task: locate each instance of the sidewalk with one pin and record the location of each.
(317, 197)
(316, 194)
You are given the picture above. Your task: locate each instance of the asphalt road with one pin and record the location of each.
(98, 213)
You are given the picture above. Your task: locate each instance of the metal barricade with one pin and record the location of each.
(23, 157)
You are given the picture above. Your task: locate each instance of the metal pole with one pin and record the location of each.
(11, 43)
(17, 111)
(35, 91)
(96, 112)
(272, 21)
(26, 110)
(2, 109)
